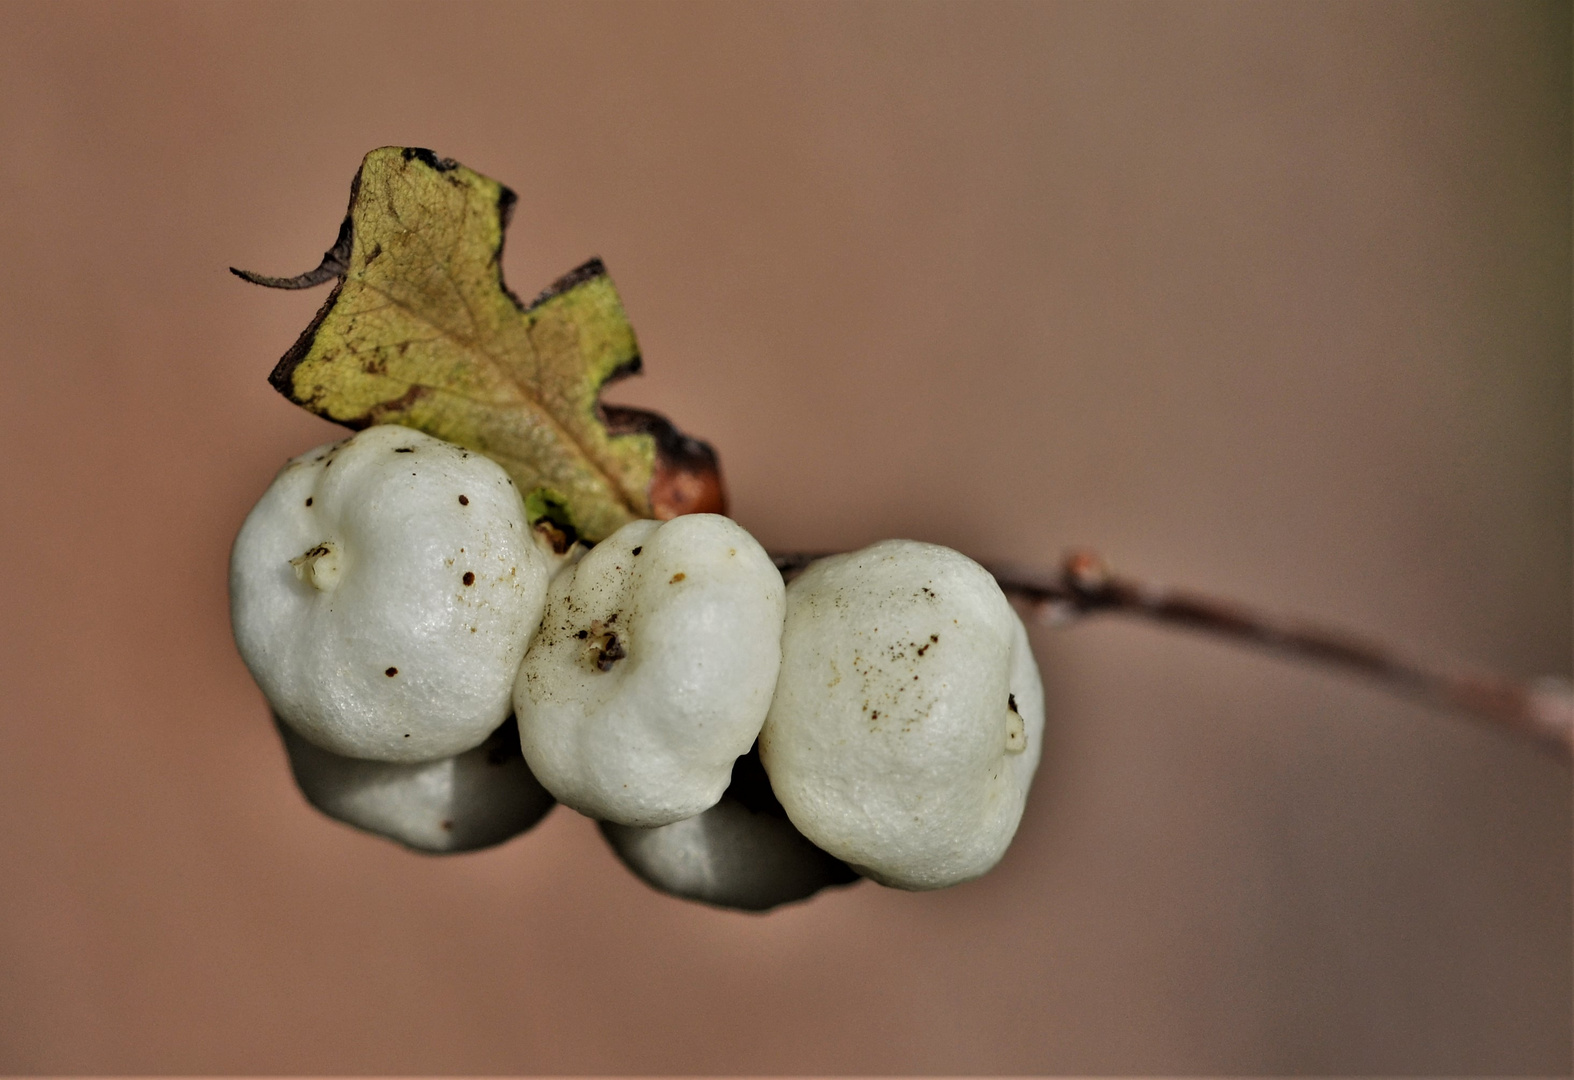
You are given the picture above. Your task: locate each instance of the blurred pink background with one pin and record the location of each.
(1268, 299)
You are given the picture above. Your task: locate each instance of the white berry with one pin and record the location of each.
(652, 670)
(741, 853)
(471, 800)
(906, 724)
(383, 592)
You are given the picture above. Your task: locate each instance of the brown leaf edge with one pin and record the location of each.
(686, 476)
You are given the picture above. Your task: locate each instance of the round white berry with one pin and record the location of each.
(742, 853)
(382, 593)
(472, 800)
(906, 724)
(652, 670)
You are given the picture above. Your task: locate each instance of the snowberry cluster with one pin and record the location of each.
(441, 674)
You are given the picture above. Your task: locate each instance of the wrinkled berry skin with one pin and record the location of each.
(907, 721)
(383, 592)
(653, 670)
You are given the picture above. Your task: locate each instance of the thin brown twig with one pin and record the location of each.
(1543, 713)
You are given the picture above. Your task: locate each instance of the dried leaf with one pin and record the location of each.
(421, 331)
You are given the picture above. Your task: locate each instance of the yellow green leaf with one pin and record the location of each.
(421, 331)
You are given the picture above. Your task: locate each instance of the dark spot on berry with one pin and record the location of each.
(639, 549)
(679, 576)
(448, 826)
(611, 651)
(1011, 703)
(391, 672)
(469, 578)
(308, 502)
(582, 635)
(464, 500)
(404, 449)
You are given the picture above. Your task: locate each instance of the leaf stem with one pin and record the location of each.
(1542, 712)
